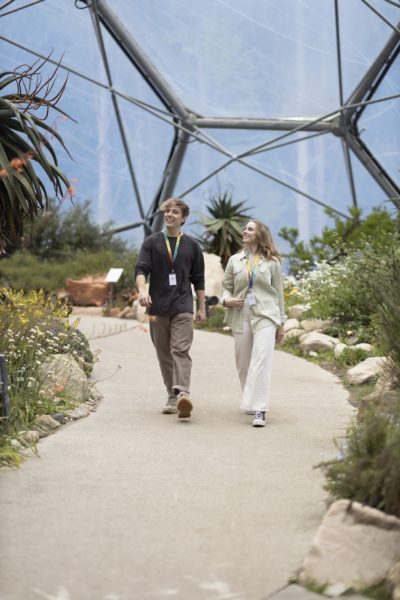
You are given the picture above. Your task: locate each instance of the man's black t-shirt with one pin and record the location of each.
(189, 269)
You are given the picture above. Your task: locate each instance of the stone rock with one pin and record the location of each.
(226, 328)
(141, 314)
(339, 348)
(291, 324)
(214, 274)
(313, 353)
(60, 417)
(29, 438)
(95, 394)
(317, 341)
(46, 422)
(78, 413)
(61, 372)
(393, 578)
(363, 346)
(352, 340)
(366, 370)
(297, 310)
(384, 382)
(128, 313)
(355, 545)
(314, 324)
(88, 291)
(16, 444)
(388, 401)
(294, 333)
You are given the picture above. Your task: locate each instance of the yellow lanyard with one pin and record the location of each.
(172, 258)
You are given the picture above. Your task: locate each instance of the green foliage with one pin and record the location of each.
(33, 327)
(387, 291)
(342, 290)
(57, 234)
(368, 469)
(215, 321)
(223, 226)
(351, 356)
(376, 231)
(22, 143)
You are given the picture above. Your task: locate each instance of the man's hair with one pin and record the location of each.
(176, 202)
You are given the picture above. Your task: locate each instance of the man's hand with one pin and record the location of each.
(200, 315)
(279, 334)
(144, 298)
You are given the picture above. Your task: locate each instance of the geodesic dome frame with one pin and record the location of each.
(190, 126)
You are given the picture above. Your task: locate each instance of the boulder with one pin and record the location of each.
(88, 291)
(393, 579)
(355, 546)
(78, 412)
(291, 324)
(214, 274)
(140, 311)
(339, 348)
(294, 333)
(384, 382)
(29, 438)
(388, 401)
(297, 310)
(62, 373)
(366, 370)
(363, 346)
(46, 422)
(317, 341)
(316, 324)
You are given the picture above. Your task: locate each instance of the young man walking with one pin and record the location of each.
(174, 261)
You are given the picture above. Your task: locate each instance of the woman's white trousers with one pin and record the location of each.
(253, 353)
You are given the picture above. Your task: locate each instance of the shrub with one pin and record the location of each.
(26, 271)
(368, 469)
(215, 321)
(342, 290)
(346, 236)
(32, 327)
(351, 356)
(387, 291)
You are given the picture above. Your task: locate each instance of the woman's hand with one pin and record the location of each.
(234, 302)
(279, 334)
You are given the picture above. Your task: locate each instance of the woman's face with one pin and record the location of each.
(250, 234)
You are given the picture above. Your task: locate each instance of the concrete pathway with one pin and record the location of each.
(130, 504)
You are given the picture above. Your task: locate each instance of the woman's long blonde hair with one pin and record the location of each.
(266, 245)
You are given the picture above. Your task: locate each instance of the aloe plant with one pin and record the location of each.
(25, 148)
(223, 226)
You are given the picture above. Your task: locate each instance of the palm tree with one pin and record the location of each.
(22, 143)
(223, 226)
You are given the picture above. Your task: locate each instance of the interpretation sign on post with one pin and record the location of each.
(112, 277)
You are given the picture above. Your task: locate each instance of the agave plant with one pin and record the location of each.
(25, 148)
(223, 226)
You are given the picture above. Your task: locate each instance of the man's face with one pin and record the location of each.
(173, 216)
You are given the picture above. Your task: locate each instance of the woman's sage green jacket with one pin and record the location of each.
(267, 287)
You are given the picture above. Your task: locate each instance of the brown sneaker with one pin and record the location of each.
(184, 406)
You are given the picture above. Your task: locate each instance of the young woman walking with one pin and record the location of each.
(253, 294)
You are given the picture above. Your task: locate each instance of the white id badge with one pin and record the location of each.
(251, 298)
(172, 279)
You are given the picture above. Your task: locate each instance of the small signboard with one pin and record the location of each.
(113, 275)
